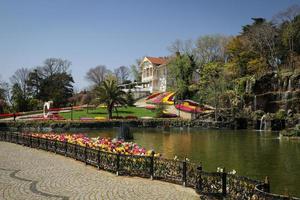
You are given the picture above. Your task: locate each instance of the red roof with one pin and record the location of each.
(157, 61)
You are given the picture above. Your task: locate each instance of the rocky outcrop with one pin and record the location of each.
(272, 92)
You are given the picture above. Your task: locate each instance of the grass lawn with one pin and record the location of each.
(101, 112)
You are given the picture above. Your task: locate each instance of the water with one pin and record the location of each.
(263, 123)
(251, 153)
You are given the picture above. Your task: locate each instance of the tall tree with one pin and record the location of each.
(181, 70)
(212, 84)
(211, 48)
(97, 74)
(122, 74)
(263, 38)
(110, 94)
(136, 70)
(4, 90)
(52, 81)
(20, 94)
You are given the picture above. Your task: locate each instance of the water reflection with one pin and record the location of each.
(250, 153)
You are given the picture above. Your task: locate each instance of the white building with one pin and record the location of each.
(154, 74)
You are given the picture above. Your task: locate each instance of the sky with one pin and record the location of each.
(114, 33)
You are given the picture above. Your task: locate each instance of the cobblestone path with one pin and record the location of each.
(31, 174)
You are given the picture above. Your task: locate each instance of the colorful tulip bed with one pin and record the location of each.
(169, 99)
(103, 144)
(159, 98)
(153, 96)
(192, 107)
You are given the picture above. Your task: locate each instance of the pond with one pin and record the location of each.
(251, 153)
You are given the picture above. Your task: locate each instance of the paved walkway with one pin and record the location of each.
(27, 173)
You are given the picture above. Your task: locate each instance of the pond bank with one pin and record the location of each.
(76, 125)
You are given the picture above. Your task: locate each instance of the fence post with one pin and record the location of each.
(267, 185)
(152, 165)
(65, 148)
(199, 180)
(22, 138)
(98, 158)
(17, 138)
(223, 175)
(46, 144)
(184, 172)
(30, 140)
(55, 146)
(118, 164)
(75, 151)
(85, 154)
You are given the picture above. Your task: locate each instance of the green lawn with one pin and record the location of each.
(101, 112)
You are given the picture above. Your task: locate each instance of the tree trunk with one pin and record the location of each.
(109, 110)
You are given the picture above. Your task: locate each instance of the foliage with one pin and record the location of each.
(52, 81)
(111, 95)
(181, 70)
(212, 84)
(159, 110)
(280, 114)
(129, 98)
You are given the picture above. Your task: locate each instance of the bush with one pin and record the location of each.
(280, 114)
(129, 98)
(159, 110)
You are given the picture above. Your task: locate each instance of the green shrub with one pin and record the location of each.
(280, 114)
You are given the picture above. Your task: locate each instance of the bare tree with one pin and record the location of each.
(97, 74)
(122, 74)
(287, 15)
(186, 46)
(211, 48)
(4, 90)
(20, 78)
(53, 66)
(263, 38)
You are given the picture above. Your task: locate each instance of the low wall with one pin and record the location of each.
(209, 185)
(65, 125)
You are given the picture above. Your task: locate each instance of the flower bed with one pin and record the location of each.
(150, 107)
(158, 99)
(169, 99)
(103, 144)
(153, 96)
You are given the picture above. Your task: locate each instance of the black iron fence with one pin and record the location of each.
(209, 185)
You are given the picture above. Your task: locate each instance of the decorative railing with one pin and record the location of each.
(209, 185)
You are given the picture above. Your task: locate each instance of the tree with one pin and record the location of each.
(211, 48)
(136, 70)
(52, 81)
(54, 66)
(110, 94)
(122, 74)
(181, 70)
(129, 98)
(212, 84)
(3, 96)
(20, 94)
(263, 38)
(97, 74)
(184, 47)
(286, 15)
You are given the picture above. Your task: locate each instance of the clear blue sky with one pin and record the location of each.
(112, 32)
